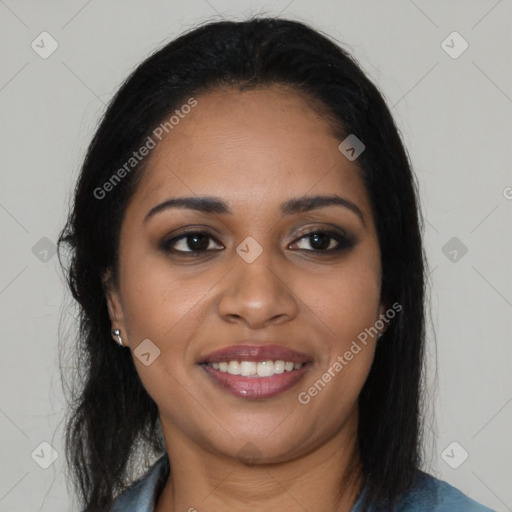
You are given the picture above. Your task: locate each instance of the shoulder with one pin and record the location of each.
(142, 494)
(430, 494)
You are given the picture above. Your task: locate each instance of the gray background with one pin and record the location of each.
(455, 116)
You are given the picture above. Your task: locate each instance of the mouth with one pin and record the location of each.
(256, 371)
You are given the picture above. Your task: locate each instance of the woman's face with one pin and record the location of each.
(257, 281)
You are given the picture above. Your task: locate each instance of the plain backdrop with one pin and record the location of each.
(453, 105)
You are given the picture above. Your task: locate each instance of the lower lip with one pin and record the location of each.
(256, 387)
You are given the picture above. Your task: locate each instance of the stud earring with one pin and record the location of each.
(117, 333)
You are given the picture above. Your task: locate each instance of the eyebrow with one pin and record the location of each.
(214, 205)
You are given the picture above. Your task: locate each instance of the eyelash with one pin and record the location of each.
(345, 242)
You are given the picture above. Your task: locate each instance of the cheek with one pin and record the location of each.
(350, 309)
(156, 301)
(344, 306)
(165, 308)
(344, 301)
(168, 307)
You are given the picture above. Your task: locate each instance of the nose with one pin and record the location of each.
(257, 294)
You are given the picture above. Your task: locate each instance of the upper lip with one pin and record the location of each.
(255, 352)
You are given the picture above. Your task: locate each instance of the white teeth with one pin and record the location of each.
(247, 368)
(279, 366)
(256, 369)
(234, 367)
(265, 369)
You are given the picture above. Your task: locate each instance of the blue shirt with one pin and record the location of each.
(427, 495)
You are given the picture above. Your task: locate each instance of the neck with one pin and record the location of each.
(325, 479)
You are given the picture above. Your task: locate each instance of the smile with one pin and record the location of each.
(256, 369)
(249, 382)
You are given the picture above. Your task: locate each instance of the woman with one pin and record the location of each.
(245, 227)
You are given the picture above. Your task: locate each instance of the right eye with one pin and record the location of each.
(192, 243)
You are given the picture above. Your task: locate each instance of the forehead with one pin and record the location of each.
(251, 146)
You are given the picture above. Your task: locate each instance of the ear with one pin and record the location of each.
(381, 316)
(113, 300)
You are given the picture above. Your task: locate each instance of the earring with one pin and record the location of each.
(380, 336)
(117, 333)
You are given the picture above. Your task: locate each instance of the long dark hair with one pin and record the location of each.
(112, 422)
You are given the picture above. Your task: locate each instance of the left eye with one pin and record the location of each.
(324, 241)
